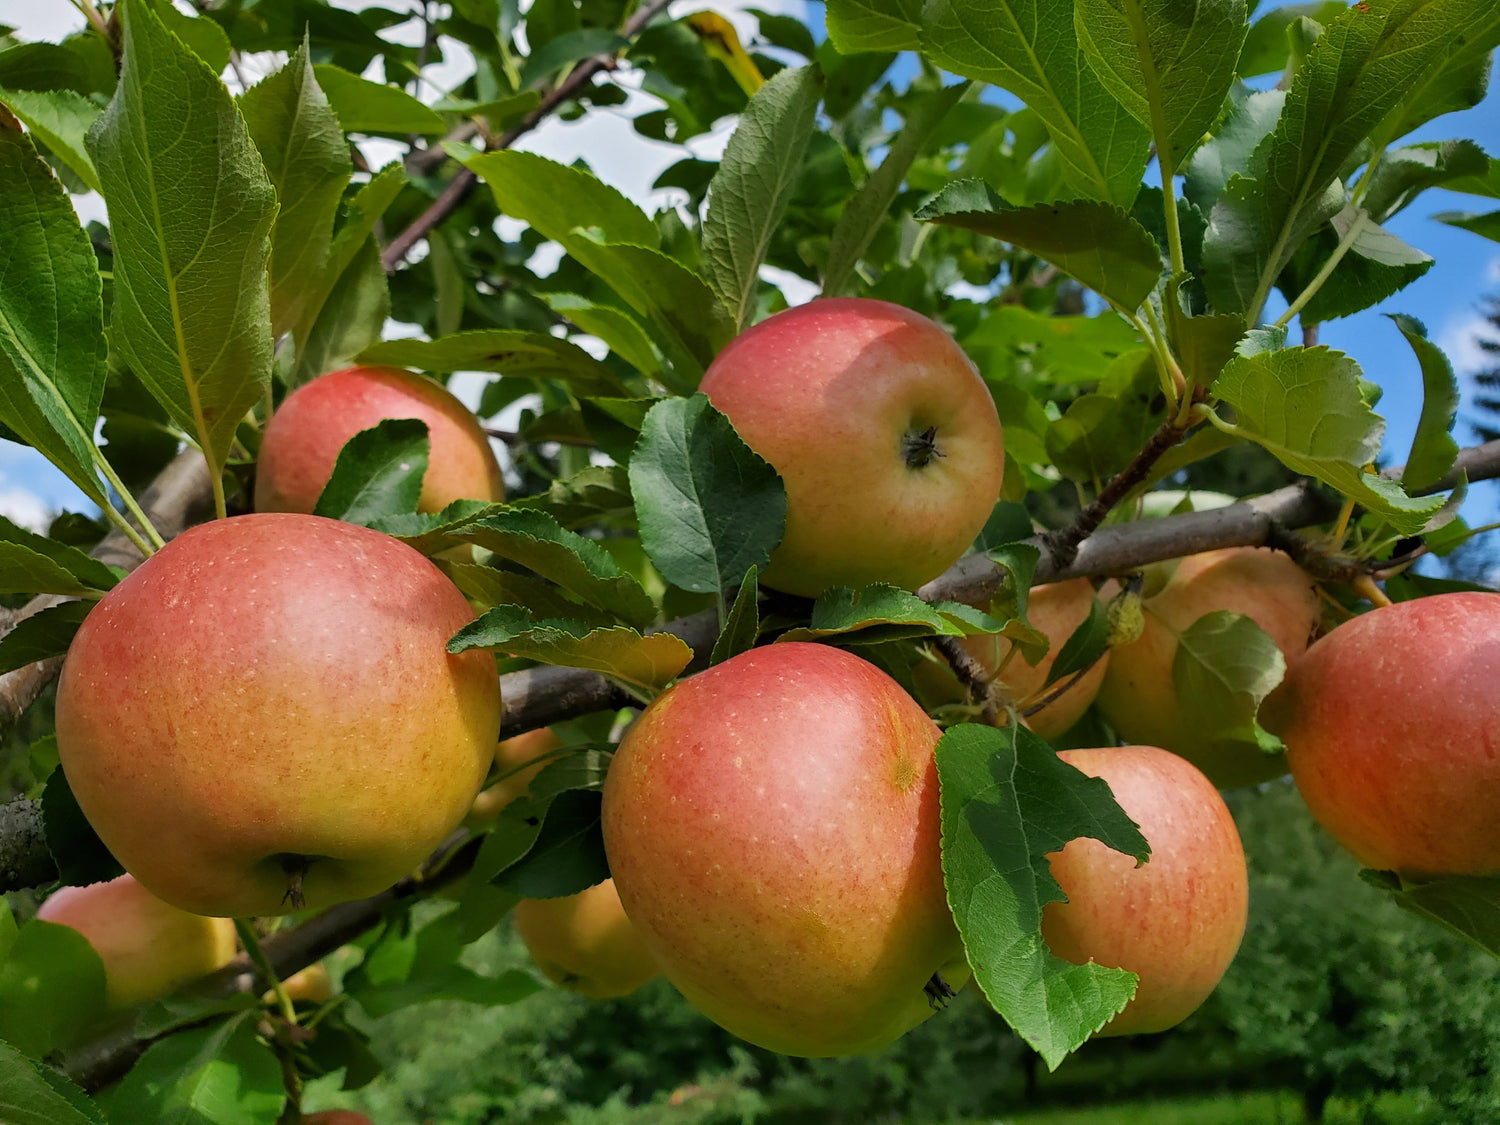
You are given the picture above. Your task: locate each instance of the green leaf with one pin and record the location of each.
(578, 564)
(349, 318)
(1266, 48)
(307, 159)
(861, 217)
(710, 507)
(434, 532)
(1096, 243)
(504, 351)
(363, 106)
(41, 636)
(1094, 439)
(1008, 801)
(1170, 63)
(80, 855)
(490, 587)
(568, 855)
(89, 571)
(216, 1075)
(51, 316)
(742, 624)
(60, 119)
(591, 495)
(568, 48)
(1377, 265)
(24, 571)
(1486, 224)
(857, 26)
(1250, 119)
(190, 212)
(1356, 72)
(32, 1094)
(757, 176)
(879, 613)
(1032, 50)
(648, 662)
(616, 327)
(1224, 668)
(1084, 646)
(1433, 449)
(378, 473)
(1469, 905)
(51, 988)
(1305, 406)
(1405, 172)
(203, 36)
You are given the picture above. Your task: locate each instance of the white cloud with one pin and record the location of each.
(24, 507)
(1492, 271)
(1459, 338)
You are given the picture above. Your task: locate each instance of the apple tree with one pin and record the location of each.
(823, 625)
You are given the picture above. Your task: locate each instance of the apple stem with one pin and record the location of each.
(918, 448)
(262, 963)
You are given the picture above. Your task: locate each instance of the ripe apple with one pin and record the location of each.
(335, 1117)
(1175, 922)
(585, 943)
(312, 984)
(883, 431)
(1055, 609)
(302, 442)
(772, 827)
(265, 713)
(1138, 696)
(149, 948)
(1392, 729)
(509, 755)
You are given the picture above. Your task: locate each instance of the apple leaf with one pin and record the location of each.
(307, 159)
(857, 26)
(222, 1074)
(1266, 47)
(879, 613)
(24, 571)
(1224, 668)
(1433, 449)
(350, 318)
(52, 348)
(203, 36)
(596, 494)
(1168, 62)
(1469, 905)
(378, 473)
(79, 854)
(1085, 645)
(1235, 146)
(1097, 244)
(618, 328)
(51, 988)
(60, 119)
(87, 570)
(578, 564)
(1404, 173)
(1017, 562)
(756, 177)
(183, 1009)
(43, 635)
(503, 351)
(710, 507)
(190, 211)
(742, 624)
(1304, 406)
(490, 586)
(649, 662)
(568, 855)
(1008, 801)
(363, 106)
(1377, 265)
(434, 532)
(568, 48)
(32, 1093)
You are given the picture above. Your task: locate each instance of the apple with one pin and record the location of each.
(264, 715)
(772, 827)
(1137, 695)
(883, 431)
(1176, 922)
(149, 948)
(303, 440)
(312, 985)
(1392, 730)
(512, 754)
(1055, 609)
(335, 1117)
(585, 942)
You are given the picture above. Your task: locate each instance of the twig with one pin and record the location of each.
(1061, 688)
(972, 675)
(462, 184)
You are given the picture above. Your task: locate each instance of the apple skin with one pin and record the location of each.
(827, 393)
(510, 754)
(1392, 729)
(149, 947)
(1138, 697)
(772, 826)
(1175, 922)
(312, 985)
(303, 440)
(1055, 609)
(585, 943)
(273, 692)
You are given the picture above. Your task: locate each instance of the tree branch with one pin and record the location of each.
(462, 184)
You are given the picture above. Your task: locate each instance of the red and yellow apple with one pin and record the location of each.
(513, 754)
(302, 442)
(1138, 696)
(1392, 730)
(883, 431)
(1056, 609)
(1176, 922)
(149, 948)
(585, 942)
(772, 827)
(265, 713)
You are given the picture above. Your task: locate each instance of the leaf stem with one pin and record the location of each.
(1341, 528)
(1173, 384)
(258, 958)
(1356, 228)
(131, 505)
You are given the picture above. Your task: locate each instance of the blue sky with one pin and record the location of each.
(1446, 299)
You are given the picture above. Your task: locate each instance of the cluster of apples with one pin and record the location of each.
(247, 718)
